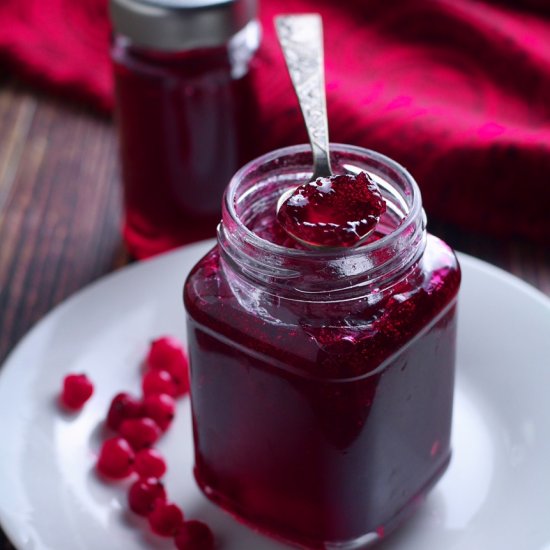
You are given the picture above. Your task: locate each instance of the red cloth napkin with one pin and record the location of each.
(458, 91)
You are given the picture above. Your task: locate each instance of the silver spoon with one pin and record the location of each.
(301, 39)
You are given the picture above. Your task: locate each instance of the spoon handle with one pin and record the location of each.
(301, 39)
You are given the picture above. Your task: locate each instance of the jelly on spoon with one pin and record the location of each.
(329, 211)
(338, 211)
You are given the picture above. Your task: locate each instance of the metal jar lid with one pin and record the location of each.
(174, 25)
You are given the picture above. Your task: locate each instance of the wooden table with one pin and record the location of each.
(60, 212)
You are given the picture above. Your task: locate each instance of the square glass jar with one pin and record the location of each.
(321, 381)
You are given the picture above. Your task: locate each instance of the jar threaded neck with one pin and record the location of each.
(254, 191)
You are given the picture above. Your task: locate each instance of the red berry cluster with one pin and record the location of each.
(139, 423)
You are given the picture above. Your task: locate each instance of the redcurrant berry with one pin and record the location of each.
(116, 458)
(167, 353)
(158, 381)
(143, 494)
(150, 463)
(123, 406)
(77, 389)
(161, 408)
(166, 518)
(140, 432)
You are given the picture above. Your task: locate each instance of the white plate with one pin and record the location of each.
(495, 495)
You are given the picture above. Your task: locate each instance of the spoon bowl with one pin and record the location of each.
(336, 212)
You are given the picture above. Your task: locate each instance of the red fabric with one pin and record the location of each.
(458, 91)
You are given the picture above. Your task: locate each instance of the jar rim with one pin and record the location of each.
(262, 244)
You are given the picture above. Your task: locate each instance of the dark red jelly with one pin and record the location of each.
(185, 121)
(337, 211)
(321, 381)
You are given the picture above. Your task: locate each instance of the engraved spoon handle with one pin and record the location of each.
(301, 39)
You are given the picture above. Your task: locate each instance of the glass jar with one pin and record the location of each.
(186, 111)
(321, 381)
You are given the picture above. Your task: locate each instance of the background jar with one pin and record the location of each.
(321, 381)
(185, 110)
